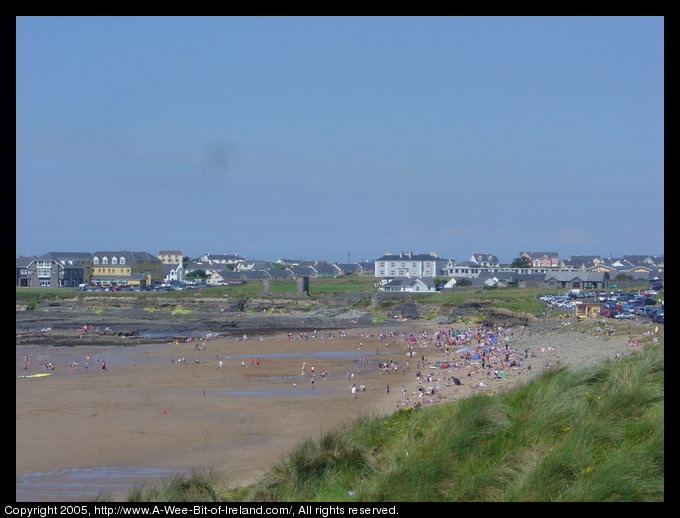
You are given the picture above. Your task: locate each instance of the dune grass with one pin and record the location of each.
(587, 435)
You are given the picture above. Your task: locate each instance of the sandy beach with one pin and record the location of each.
(240, 405)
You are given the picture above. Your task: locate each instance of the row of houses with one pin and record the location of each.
(72, 269)
(139, 269)
(409, 272)
(105, 268)
(247, 270)
(576, 279)
(408, 264)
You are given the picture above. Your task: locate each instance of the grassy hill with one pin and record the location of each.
(588, 435)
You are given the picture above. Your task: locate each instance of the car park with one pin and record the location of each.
(658, 318)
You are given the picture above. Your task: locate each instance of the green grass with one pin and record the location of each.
(250, 289)
(198, 486)
(572, 435)
(512, 298)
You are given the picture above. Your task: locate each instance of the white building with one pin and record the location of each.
(410, 284)
(408, 264)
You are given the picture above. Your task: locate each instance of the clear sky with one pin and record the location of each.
(319, 137)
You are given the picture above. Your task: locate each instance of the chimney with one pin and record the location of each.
(434, 254)
(388, 252)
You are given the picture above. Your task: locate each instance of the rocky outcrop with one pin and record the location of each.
(491, 316)
(125, 318)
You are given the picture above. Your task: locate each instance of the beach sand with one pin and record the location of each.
(148, 410)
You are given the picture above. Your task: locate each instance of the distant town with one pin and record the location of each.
(403, 271)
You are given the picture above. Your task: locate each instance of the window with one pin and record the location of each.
(114, 260)
(95, 260)
(105, 260)
(122, 260)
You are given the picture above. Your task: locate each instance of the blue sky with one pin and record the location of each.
(319, 137)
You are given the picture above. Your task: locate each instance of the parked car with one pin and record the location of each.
(624, 315)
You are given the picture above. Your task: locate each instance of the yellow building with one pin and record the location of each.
(170, 256)
(588, 310)
(601, 267)
(125, 269)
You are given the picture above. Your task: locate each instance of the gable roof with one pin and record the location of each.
(411, 257)
(467, 263)
(280, 274)
(409, 281)
(74, 257)
(24, 260)
(484, 257)
(539, 255)
(254, 264)
(170, 267)
(223, 257)
(571, 276)
(348, 267)
(327, 268)
(577, 261)
(301, 270)
(129, 256)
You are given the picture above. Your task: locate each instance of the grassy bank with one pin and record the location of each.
(522, 300)
(250, 289)
(594, 434)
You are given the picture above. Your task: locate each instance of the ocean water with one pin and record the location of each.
(84, 484)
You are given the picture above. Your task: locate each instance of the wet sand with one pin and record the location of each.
(150, 412)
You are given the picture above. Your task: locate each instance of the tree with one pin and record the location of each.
(521, 262)
(197, 274)
(439, 283)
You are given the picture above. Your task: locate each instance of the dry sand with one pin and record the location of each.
(148, 411)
